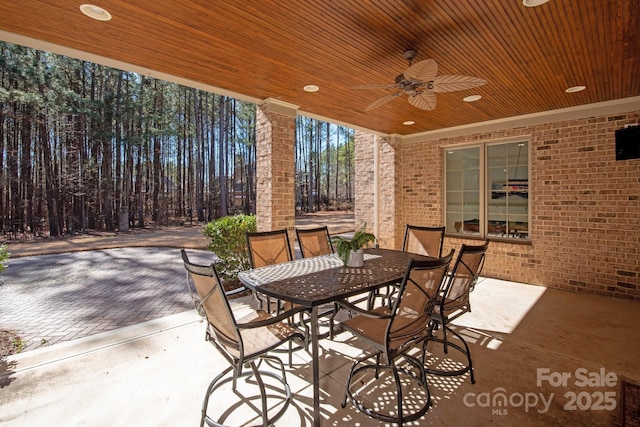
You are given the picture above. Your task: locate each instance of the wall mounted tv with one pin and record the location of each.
(628, 143)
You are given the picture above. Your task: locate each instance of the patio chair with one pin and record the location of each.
(393, 332)
(242, 342)
(418, 240)
(314, 241)
(454, 302)
(268, 248)
(423, 240)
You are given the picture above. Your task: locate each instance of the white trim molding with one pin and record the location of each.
(581, 111)
(273, 105)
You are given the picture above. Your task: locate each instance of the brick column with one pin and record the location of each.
(389, 200)
(275, 165)
(364, 180)
(375, 187)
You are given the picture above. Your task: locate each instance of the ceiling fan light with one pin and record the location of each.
(471, 98)
(311, 88)
(533, 3)
(95, 12)
(574, 89)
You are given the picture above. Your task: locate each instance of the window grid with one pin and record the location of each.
(487, 190)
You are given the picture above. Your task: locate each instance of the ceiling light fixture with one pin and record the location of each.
(533, 3)
(95, 12)
(311, 88)
(408, 123)
(471, 98)
(574, 89)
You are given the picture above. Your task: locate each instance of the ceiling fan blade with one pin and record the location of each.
(425, 100)
(424, 70)
(453, 83)
(383, 101)
(379, 86)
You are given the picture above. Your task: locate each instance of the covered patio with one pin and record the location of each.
(584, 205)
(559, 79)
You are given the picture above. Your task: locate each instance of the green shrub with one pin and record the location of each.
(4, 255)
(229, 243)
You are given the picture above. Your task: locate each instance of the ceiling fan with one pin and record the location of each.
(420, 83)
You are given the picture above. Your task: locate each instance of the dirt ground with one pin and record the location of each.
(188, 236)
(8, 343)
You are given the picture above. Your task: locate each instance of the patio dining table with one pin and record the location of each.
(312, 282)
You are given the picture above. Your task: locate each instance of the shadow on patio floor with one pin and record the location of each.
(522, 337)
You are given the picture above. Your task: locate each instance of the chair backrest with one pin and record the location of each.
(417, 297)
(423, 240)
(463, 276)
(268, 248)
(211, 302)
(314, 241)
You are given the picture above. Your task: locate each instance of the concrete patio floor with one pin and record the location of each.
(542, 357)
(523, 339)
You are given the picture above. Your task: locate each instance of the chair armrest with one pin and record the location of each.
(362, 312)
(235, 291)
(272, 319)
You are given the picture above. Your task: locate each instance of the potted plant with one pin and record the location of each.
(350, 250)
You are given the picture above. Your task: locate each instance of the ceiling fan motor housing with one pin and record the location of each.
(409, 54)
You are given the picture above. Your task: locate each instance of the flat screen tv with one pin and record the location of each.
(628, 143)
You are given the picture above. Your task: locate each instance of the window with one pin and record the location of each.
(487, 190)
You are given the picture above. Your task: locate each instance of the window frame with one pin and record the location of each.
(485, 192)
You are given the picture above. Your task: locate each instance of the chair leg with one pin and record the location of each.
(371, 299)
(446, 344)
(346, 391)
(400, 418)
(307, 331)
(223, 378)
(444, 339)
(291, 354)
(433, 326)
(212, 385)
(467, 351)
(263, 394)
(332, 320)
(258, 299)
(396, 378)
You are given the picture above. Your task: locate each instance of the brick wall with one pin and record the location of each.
(419, 187)
(585, 205)
(630, 405)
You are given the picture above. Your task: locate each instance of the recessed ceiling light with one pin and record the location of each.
(95, 12)
(471, 98)
(533, 3)
(311, 88)
(408, 123)
(575, 89)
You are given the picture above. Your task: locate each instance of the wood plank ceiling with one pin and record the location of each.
(262, 49)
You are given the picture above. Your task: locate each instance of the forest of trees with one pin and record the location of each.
(83, 145)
